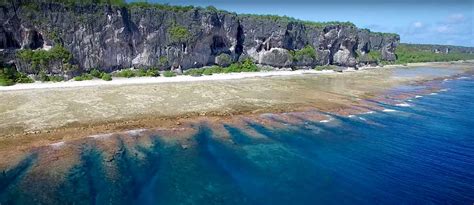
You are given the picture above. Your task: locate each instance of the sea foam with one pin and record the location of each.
(403, 105)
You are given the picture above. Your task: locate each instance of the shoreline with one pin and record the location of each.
(20, 140)
(117, 81)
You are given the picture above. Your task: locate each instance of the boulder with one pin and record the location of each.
(277, 57)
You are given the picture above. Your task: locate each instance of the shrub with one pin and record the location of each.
(169, 74)
(43, 77)
(106, 77)
(140, 72)
(128, 73)
(5, 81)
(10, 76)
(40, 59)
(194, 72)
(152, 72)
(374, 56)
(179, 34)
(323, 67)
(212, 8)
(163, 60)
(23, 78)
(307, 52)
(84, 76)
(96, 73)
(56, 78)
(207, 72)
(223, 59)
(248, 66)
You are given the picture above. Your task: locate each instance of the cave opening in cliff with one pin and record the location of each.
(218, 45)
(36, 40)
(239, 48)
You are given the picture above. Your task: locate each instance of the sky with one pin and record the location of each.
(447, 22)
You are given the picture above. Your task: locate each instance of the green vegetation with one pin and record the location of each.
(84, 76)
(88, 2)
(40, 59)
(169, 74)
(224, 59)
(305, 53)
(179, 34)
(407, 54)
(128, 73)
(106, 77)
(212, 8)
(174, 8)
(375, 56)
(286, 19)
(194, 72)
(166, 7)
(382, 34)
(55, 78)
(42, 76)
(246, 66)
(10, 76)
(94, 73)
(163, 60)
(324, 67)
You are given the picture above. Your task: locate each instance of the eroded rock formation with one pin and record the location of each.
(113, 37)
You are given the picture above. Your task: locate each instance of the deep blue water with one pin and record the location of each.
(422, 154)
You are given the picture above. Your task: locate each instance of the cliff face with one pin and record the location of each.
(110, 37)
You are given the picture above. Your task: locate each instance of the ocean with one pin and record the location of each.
(417, 150)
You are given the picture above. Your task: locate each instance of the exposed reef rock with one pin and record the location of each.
(115, 37)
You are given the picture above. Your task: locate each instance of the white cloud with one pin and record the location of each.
(442, 29)
(456, 18)
(418, 24)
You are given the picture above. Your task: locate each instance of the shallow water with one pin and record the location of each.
(422, 153)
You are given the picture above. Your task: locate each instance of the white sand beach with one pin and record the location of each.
(154, 80)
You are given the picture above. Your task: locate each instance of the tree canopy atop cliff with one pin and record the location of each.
(175, 8)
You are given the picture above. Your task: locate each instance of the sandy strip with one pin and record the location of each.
(216, 77)
(154, 80)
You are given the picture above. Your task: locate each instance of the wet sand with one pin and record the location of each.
(34, 118)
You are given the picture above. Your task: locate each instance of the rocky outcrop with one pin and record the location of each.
(114, 37)
(278, 57)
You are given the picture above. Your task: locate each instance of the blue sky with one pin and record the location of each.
(417, 21)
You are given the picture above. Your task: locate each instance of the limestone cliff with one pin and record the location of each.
(114, 37)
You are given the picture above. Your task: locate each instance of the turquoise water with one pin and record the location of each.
(420, 154)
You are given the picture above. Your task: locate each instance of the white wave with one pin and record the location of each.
(351, 116)
(444, 90)
(57, 144)
(388, 110)
(363, 119)
(418, 96)
(135, 132)
(433, 93)
(403, 105)
(326, 121)
(100, 136)
(446, 80)
(370, 112)
(409, 100)
(463, 77)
